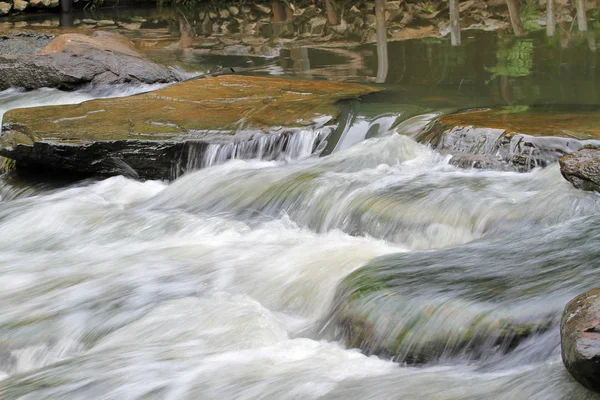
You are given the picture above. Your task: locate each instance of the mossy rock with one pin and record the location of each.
(150, 133)
(413, 308)
(518, 138)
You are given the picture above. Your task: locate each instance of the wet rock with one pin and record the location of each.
(105, 22)
(234, 10)
(134, 26)
(582, 169)
(514, 139)
(262, 8)
(20, 5)
(43, 3)
(376, 315)
(73, 60)
(5, 8)
(23, 43)
(580, 338)
(150, 135)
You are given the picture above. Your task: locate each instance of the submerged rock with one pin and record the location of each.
(380, 311)
(149, 135)
(73, 60)
(582, 169)
(511, 139)
(580, 338)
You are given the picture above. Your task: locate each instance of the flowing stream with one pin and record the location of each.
(221, 283)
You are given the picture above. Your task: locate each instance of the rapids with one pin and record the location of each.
(217, 285)
(222, 283)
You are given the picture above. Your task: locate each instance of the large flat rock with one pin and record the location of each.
(515, 138)
(151, 132)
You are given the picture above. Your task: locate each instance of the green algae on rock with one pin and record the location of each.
(377, 314)
(150, 132)
(518, 138)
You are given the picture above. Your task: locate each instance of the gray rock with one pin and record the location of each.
(80, 60)
(580, 338)
(105, 22)
(519, 141)
(23, 43)
(582, 169)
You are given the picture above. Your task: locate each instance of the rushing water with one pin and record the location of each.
(222, 283)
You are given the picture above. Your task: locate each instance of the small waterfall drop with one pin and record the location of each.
(286, 145)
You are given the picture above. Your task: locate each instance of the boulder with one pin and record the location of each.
(43, 3)
(580, 338)
(376, 316)
(20, 5)
(73, 60)
(150, 135)
(23, 42)
(5, 8)
(512, 138)
(582, 169)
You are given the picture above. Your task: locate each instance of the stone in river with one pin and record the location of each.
(152, 133)
(73, 60)
(580, 338)
(5, 8)
(376, 313)
(582, 169)
(512, 138)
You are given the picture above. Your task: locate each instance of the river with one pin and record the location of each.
(220, 284)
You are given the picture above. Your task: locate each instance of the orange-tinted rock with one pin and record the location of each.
(148, 132)
(104, 41)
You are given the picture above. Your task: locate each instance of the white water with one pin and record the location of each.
(216, 285)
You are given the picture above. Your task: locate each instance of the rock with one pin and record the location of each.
(43, 3)
(89, 21)
(517, 139)
(237, 50)
(23, 43)
(152, 133)
(20, 5)
(582, 169)
(580, 338)
(317, 25)
(379, 315)
(224, 13)
(133, 26)
(234, 10)
(262, 8)
(5, 8)
(73, 60)
(105, 22)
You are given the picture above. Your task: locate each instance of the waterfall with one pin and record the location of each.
(263, 146)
